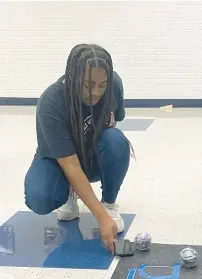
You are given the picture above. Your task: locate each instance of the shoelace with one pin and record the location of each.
(71, 200)
(72, 193)
(112, 208)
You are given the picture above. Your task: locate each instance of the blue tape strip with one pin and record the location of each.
(175, 274)
(131, 273)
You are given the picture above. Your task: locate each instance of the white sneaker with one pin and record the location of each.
(70, 210)
(113, 211)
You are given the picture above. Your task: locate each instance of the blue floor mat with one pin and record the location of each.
(29, 240)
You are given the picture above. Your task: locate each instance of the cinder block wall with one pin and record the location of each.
(156, 46)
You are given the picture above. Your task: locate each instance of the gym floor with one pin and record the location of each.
(162, 191)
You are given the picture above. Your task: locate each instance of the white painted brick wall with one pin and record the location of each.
(156, 45)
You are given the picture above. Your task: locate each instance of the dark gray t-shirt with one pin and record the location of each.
(53, 136)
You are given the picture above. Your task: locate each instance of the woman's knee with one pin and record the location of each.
(40, 206)
(37, 198)
(45, 188)
(115, 143)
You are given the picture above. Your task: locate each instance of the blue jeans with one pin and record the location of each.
(47, 188)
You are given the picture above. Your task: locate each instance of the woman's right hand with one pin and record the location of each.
(108, 230)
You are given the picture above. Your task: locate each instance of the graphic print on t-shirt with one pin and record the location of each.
(87, 124)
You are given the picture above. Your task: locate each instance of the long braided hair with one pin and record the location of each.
(83, 55)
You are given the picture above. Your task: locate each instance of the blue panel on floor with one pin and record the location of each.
(135, 124)
(29, 240)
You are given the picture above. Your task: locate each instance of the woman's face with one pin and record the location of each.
(98, 85)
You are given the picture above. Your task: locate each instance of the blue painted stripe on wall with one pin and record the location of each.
(156, 103)
(129, 103)
(14, 101)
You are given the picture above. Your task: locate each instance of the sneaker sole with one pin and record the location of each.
(120, 230)
(120, 225)
(62, 216)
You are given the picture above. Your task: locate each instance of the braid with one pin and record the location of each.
(80, 56)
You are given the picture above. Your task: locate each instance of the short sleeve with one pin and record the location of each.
(53, 137)
(120, 111)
